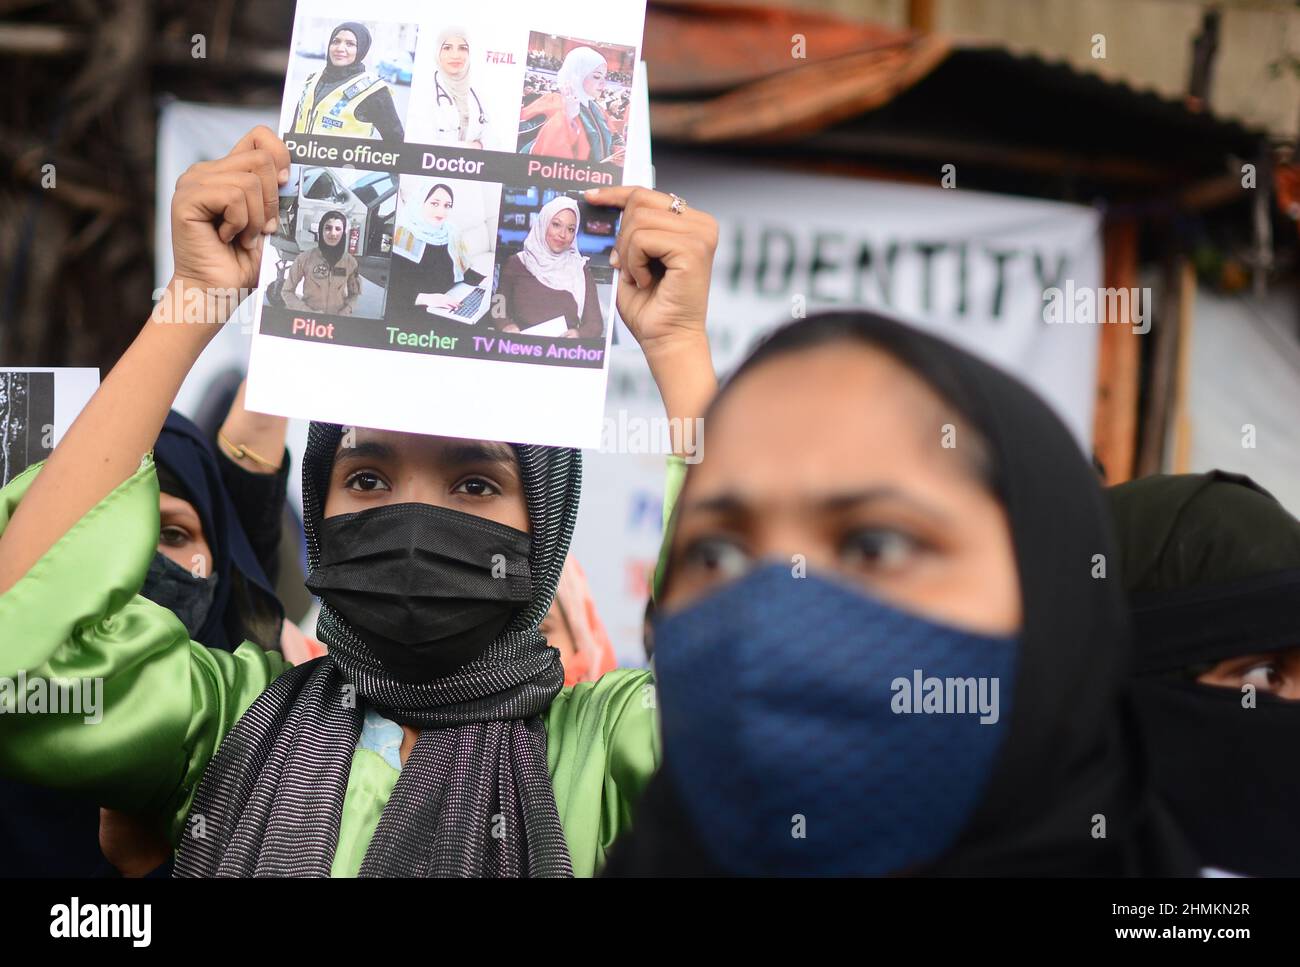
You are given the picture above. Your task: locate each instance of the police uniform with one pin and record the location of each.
(335, 112)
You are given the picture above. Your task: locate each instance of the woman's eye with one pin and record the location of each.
(365, 481)
(173, 536)
(880, 549)
(1264, 676)
(477, 487)
(720, 557)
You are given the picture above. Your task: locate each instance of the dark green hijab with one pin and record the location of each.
(1211, 563)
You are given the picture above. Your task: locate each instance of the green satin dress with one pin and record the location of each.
(168, 702)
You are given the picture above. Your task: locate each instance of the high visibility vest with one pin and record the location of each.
(335, 112)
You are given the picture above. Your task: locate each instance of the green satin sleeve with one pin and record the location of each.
(672, 490)
(370, 784)
(602, 741)
(164, 703)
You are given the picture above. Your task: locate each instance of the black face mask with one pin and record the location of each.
(179, 591)
(426, 588)
(1224, 770)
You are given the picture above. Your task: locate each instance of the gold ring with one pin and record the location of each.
(678, 206)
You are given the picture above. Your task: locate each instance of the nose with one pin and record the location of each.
(420, 490)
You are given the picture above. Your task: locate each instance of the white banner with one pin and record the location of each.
(971, 267)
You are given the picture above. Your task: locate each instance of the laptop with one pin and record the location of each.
(474, 304)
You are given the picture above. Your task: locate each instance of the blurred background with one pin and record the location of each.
(949, 161)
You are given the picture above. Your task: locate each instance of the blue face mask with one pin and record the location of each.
(188, 597)
(811, 729)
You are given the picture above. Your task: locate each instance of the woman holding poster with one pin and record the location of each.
(549, 279)
(344, 98)
(572, 122)
(458, 113)
(436, 559)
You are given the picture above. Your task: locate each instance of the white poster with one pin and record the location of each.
(37, 405)
(437, 268)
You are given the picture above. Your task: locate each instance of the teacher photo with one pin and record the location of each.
(344, 98)
(548, 286)
(440, 246)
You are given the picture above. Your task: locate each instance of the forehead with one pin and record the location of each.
(816, 420)
(170, 505)
(367, 443)
(345, 35)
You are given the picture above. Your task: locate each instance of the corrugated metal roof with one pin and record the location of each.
(726, 74)
(703, 48)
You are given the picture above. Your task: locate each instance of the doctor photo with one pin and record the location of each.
(459, 116)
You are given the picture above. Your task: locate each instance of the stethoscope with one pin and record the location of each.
(440, 95)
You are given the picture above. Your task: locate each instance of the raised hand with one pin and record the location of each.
(223, 209)
(665, 262)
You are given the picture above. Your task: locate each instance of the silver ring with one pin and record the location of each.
(678, 207)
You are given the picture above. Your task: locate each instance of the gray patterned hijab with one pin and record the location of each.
(474, 797)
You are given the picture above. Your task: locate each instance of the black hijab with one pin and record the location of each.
(334, 75)
(244, 604)
(1212, 565)
(332, 253)
(1071, 753)
(272, 797)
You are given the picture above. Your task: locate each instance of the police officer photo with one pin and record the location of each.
(459, 116)
(345, 98)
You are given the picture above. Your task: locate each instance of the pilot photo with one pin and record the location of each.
(332, 244)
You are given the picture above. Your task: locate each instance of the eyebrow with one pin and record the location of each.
(365, 450)
(480, 451)
(734, 505)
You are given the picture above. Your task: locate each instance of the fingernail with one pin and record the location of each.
(284, 176)
(270, 227)
(591, 192)
(613, 257)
